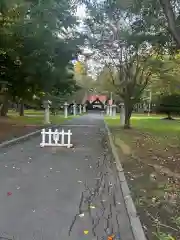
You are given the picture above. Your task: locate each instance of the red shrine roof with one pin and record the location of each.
(92, 98)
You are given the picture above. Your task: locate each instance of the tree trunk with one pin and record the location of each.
(21, 110)
(128, 112)
(170, 16)
(17, 107)
(169, 116)
(4, 108)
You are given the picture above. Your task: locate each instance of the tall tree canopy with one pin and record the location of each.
(37, 43)
(158, 16)
(116, 44)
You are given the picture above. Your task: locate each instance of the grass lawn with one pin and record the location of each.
(153, 124)
(15, 126)
(37, 120)
(150, 155)
(28, 112)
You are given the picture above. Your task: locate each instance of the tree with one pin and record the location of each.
(161, 17)
(173, 19)
(37, 34)
(169, 104)
(167, 78)
(116, 44)
(105, 82)
(80, 68)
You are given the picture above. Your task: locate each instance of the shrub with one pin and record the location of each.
(168, 104)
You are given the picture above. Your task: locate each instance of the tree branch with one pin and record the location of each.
(170, 16)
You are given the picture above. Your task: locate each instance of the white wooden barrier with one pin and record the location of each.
(56, 138)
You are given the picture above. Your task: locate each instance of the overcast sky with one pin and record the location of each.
(92, 65)
(81, 11)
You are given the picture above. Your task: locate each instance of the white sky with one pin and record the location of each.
(81, 14)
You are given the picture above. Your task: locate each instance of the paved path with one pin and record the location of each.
(58, 193)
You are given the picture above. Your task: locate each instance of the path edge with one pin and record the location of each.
(24, 137)
(135, 223)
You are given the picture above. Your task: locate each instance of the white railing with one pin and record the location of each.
(56, 138)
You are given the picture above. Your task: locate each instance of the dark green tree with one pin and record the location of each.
(168, 104)
(37, 43)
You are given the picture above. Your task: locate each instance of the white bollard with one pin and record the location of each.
(84, 108)
(74, 109)
(80, 109)
(65, 109)
(46, 112)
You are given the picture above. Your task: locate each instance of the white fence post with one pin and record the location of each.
(62, 137)
(50, 136)
(43, 137)
(54, 138)
(69, 139)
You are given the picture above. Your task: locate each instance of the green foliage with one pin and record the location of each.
(169, 104)
(152, 17)
(37, 43)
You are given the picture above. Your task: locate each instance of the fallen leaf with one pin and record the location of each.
(81, 215)
(92, 207)
(86, 232)
(111, 237)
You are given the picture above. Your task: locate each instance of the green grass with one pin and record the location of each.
(27, 112)
(38, 120)
(152, 123)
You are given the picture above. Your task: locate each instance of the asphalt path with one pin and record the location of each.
(55, 193)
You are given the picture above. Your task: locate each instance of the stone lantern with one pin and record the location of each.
(66, 109)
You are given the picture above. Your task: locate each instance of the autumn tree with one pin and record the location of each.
(115, 44)
(105, 82)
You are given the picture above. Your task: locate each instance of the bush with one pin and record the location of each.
(168, 104)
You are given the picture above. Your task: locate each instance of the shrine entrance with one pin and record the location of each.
(95, 105)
